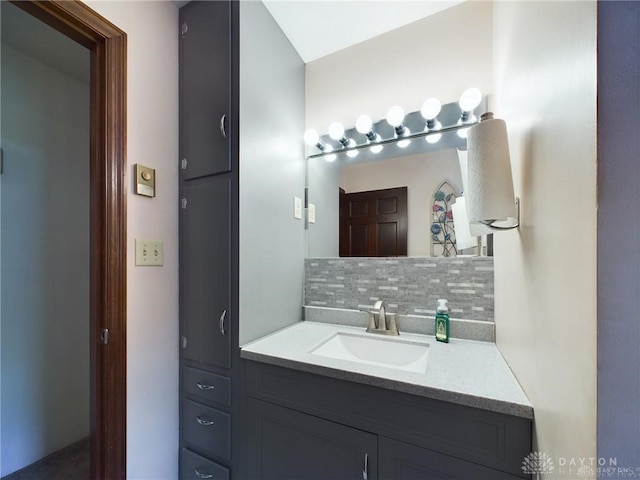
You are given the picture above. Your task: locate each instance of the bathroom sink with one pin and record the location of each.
(396, 353)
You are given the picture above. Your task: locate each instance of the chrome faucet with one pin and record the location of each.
(379, 313)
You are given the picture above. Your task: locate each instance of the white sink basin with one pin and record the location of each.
(383, 351)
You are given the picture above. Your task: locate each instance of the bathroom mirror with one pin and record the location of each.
(420, 172)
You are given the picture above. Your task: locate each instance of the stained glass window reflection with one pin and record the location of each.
(443, 235)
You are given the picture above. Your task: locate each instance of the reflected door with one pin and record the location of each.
(373, 223)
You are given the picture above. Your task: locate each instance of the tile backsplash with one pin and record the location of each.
(408, 285)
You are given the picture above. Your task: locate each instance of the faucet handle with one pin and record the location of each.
(392, 326)
(372, 320)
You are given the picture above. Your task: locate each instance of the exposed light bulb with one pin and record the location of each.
(470, 99)
(364, 124)
(352, 153)
(433, 138)
(431, 108)
(336, 131)
(404, 143)
(331, 157)
(376, 149)
(311, 137)
(462, 133)
(395, 116)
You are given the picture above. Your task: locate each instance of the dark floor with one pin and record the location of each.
(70, 463)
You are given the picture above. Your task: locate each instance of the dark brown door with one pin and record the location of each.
(374, 223)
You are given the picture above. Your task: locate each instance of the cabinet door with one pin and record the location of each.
(205, 271)
(285, 444)
(205, 99)
(401, 461)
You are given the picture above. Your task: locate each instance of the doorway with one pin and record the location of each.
(106, 225)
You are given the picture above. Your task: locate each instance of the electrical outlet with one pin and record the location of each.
(149, 253)
(312, 213)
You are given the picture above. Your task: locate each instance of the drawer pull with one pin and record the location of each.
(204, 421)
(203, 386)
(199, 474)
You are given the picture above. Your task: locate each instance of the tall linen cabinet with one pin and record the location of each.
(210, 368)
(241, 249)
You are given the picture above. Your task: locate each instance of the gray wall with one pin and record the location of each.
(45, 260)
(618, 232)
(271, 174)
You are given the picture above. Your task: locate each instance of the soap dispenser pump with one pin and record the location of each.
(442, 321)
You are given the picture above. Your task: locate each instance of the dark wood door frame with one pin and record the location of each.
(108, 46)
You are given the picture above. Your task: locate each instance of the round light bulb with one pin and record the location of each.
(404, 143)
(433, 138)
(470, 99)
(431, 108)
(364, 124)
(376, 149)
(352, 153)
(462, 133)
(331, 157)
(336, 130)
(395, 116)
(311, 137)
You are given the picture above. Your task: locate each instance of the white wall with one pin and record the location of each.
(422, 175)
(438, 56)
(152, 292)
(545, 272)
(45, 260)
(271, 174)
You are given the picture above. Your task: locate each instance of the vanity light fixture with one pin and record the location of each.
(395, 118)
(491, 200)
(312, 139)
(364, 125)
(469, 101)
(429, 111)
(336, 131)
(435, 122)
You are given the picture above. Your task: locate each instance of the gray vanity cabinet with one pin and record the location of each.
(285, 444)
(205, 84)
(308, 426)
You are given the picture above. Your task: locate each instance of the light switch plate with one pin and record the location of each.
(149, 253)
(145, 180)
(312, 213)
(297, 208)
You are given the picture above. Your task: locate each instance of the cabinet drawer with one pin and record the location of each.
(206, 386)
(193, 466)
(206, 429)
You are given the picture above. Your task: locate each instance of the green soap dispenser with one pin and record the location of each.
(442, 321)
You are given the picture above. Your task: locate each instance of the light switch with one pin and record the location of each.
(312, 213)
(145, 180)
(149, 253)
(297, 208)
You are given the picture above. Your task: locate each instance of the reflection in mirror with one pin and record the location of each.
(421, 174)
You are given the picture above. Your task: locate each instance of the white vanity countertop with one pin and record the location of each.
(465, 372)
